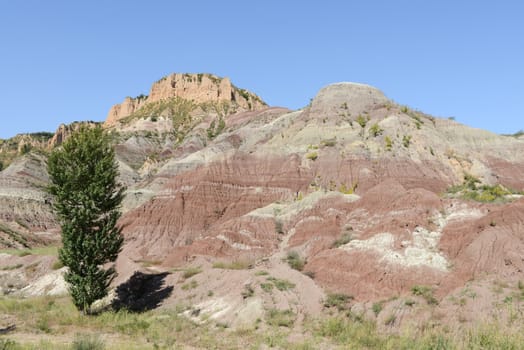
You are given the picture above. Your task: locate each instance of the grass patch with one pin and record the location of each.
(191, 285)
(280, 318)
(190, 272)
(49, 250)
(87, 342)
(12, 267)
(234, 265)
(425, 292)
(344, 239)
(280, 284)
(338, 300)
(267, 287)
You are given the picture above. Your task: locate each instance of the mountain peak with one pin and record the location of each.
(354, 97)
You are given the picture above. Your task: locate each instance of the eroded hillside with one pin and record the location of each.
(362, 196)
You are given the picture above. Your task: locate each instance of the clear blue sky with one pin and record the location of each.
(71, 60)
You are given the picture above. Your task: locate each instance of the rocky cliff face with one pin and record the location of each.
(64, 131)
(198, 88)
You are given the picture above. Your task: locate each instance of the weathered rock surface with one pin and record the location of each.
(353, 183)
(198, 88)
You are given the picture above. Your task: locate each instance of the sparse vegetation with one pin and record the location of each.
(329, 142)
(190, 272)
(377, 307)
(280, 318)
(190, 285)
(375, 130)
(425, 292)
(295, 261)
(339, 301)
(88, 342)
(472, 189)
(234, 265)
(215, 128)
(280, 284)
(312, 156)
(267, 287)
(406, 140)
(342, 240)
(362, 121)
(389, 143)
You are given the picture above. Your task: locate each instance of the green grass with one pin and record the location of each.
(280, 318)
(426, 292)
(280, 284)
(234, 265)
(338, 300)
(60, 326)
(48, 250)
(190, 272)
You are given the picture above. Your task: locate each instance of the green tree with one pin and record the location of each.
(87, 200)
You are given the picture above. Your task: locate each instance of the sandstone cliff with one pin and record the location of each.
(198, 88)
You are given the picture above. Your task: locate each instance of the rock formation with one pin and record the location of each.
(375, 197)
(198, 88)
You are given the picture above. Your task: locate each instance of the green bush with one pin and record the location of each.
(338, 300)
(295, 261)
(406, 141)
(312, 156)
(377, 307)
(375, 130)
(344, 239)
(426, 292)
(362, 121)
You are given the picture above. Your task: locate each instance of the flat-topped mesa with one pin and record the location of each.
(354, 97)
(199, 88)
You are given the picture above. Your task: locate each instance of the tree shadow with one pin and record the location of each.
(142, 292)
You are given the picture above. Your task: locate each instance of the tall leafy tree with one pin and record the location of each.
(87, 198)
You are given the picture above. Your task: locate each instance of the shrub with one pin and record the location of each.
(295, 261)
(329, 143)
(389, 143)
(375, 130)
(338, 300)
(426, 292)
(312, 156)
(362, 121)
(377, 307)
(344, 239)
(191, 271)
(281, 285)
(406, 140)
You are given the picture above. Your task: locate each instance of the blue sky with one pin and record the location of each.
(63, 61)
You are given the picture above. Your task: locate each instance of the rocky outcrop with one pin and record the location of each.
(65, 130)
(198, 88)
